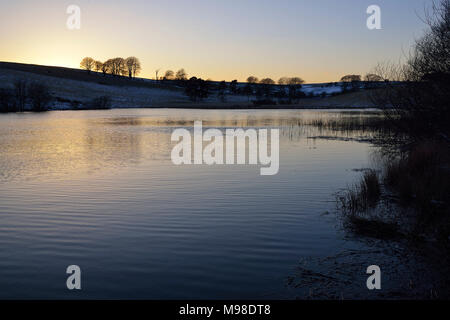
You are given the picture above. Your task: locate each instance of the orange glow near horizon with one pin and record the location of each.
(286, 38)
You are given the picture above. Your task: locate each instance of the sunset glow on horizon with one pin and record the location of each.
(221, 40)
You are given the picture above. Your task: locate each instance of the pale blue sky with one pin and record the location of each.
(224, 40)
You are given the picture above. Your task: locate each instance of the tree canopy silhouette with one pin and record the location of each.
(351, 78)
(371, 77)
(267, 81)
(117, 66)
(181, 75)
(169, 75)
(133, 66)
(88, 64)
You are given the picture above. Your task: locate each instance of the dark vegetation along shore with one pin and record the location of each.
(406, 196)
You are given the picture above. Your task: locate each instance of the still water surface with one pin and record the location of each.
(98, 189)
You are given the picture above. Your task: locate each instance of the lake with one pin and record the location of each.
(98, 189)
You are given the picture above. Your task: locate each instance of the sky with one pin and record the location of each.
(317, 40)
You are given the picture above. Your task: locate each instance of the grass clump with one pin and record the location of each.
(417, 183)
(362, 196)
(421, 180)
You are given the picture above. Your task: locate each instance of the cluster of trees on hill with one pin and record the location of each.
(130, 66)
(369, 77)
(198, 89)
(353, 81)
(282, 81)
(264, 90)
(180, 75)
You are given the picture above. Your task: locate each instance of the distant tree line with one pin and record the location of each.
(352, 82)
(265, 91)
(369, 77)
(130, 66)
(180, 75)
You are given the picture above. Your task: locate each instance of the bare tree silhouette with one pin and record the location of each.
(418, 106)
(283, 81)
(106, 66)
(181, 75)
(234, 86)
(20, 93)
(295, 81)
(88, 64)
(133, 66)
(371, 77)
(98, 65)
(118, 67)
(252, 79)
(169, 75)
(351, 78)
(267, 81)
